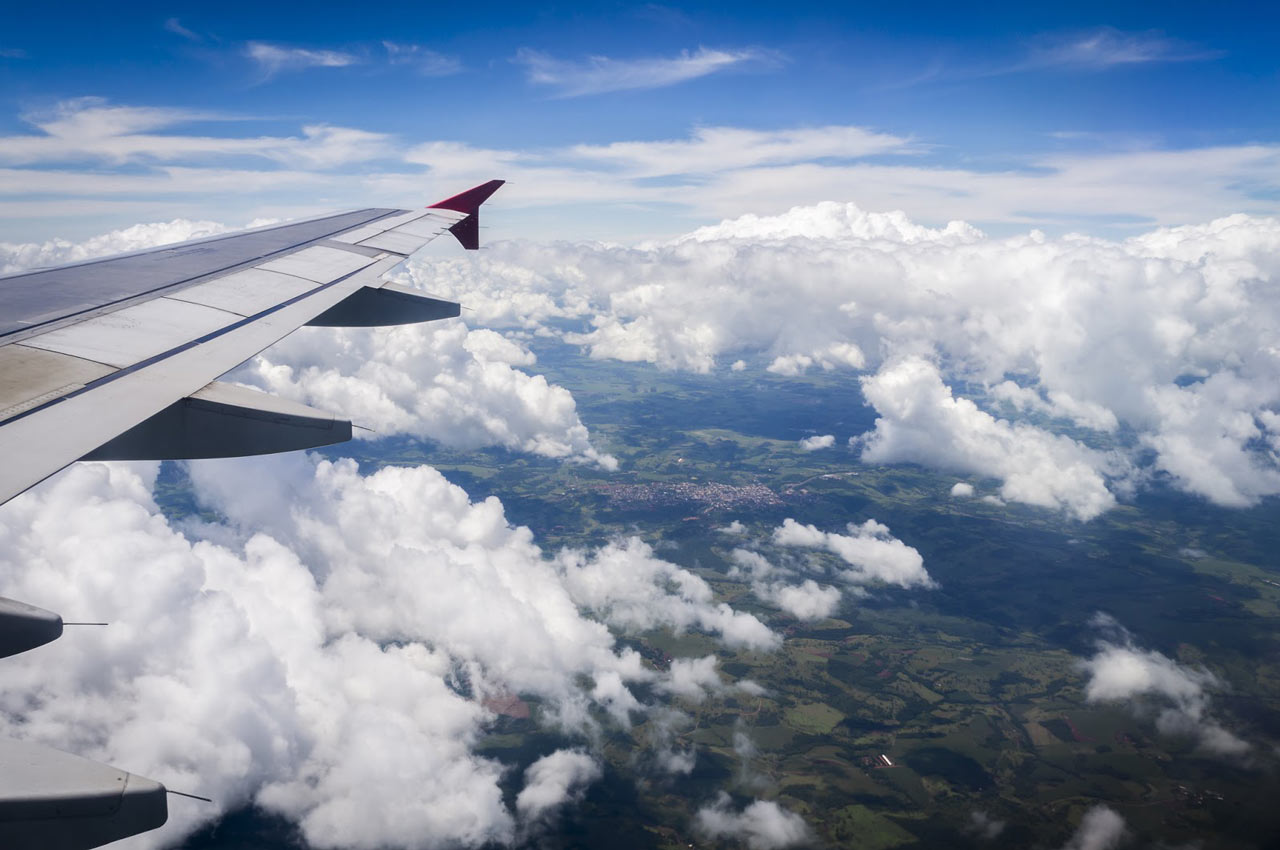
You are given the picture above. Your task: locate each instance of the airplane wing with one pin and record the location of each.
(118, 359)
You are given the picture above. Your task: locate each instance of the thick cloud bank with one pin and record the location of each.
(1152, 683)
(1160, 353)
(332, 650)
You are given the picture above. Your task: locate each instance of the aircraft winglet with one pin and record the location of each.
(467, 231)
(469, 201)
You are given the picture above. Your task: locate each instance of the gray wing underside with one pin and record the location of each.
(89, 352)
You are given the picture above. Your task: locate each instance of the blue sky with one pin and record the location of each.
(1094, 117)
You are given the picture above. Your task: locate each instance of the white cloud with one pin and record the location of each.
(600, 74)
(812, 444)
(921, 421)
(1150, 681)
(762, 825)
(274, 58)
(715, 172)
(961, 490)
(631, 590)
(175, 26)
(1106, 47)
(92, 129)
(1101, 828)
(693, 678)
(714, 149)
(54, 252)
(326, 655)
(984, 826)
(869, 548)
(970, 369)
(440, 381)
(554, 781)
(428, 62)
(805, 601)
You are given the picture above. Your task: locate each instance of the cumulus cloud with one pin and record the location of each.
(984, 826)
(869, 549)
(871, 552)
(1101, 828)
(762, 825)
(693, 678)
(444, 382)
(805, 601)
(600, 74)
(812, 444)
(1151, 359)
(555, 780)
(961, 490)
(632, 590)
(1151, 682)
(921, 421)
(329, 650)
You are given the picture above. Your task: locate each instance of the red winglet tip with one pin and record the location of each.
(469, 201)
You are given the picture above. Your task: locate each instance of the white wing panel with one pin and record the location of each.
(135, 333)
(397, 220)
(246, 293)
(353, 236)
(400, 243)
(319, 263)
(424, 228)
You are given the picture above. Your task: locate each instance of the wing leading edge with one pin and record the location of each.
(118, 358)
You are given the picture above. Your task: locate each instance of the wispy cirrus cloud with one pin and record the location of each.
(92, 129)
(601, 74)
(1107, 47)
(275, 58)
(175, 26)
(429, 63)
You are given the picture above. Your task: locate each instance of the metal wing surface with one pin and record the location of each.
(118, 358)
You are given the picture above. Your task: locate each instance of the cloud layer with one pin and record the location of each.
(1073, 370)
(331, 650)
(155, 161)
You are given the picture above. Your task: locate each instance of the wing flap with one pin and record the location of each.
(135, 333)
(396, 242)
(247, 293)
(319, 263)
(30, 376)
